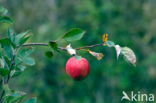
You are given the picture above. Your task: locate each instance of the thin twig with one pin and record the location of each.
(3, 92)
(62, 48)
(1, 98)
(11, 67)
(35, 44)
(90, 46)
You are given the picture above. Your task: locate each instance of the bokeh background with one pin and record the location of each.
(129, 23)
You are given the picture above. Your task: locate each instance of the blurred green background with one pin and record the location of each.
(129, 23)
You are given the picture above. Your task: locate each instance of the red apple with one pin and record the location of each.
(77, 68)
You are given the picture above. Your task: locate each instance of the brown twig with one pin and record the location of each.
(62, 48)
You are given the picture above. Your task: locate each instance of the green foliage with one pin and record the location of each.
(110, 44)
(12, 96)
(49, 54)
(22, 38)
(4, 71)
(74, 34)
(3, 17)
(13, 59)
(3, 11)
(53, 45)
(129, 23)
(32, 100)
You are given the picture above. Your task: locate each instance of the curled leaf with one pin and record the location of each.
(129, 55)
(99, 56)
(118, 50)
(105, 37)
(5, 19)
(70, 50)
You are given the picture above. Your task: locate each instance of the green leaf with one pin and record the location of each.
(49, 54)
(74, 34)
(28, 60)
(110, 44)
(4, 71)
(12, 96)
(23, 57)
(11, 35)
(5, 42)
(53, 45)
(25, 52)
(5, 19)
(22, 38)
(25, 39)
(32, 100)
(7, 61)
(18, 70)
(2, 64)
(3, 11)
(7, 45)
(21, 67)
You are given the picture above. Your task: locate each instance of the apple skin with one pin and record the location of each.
(78, 69)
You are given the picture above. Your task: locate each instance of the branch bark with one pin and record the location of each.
(62, 48)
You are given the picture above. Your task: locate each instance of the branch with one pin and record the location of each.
(62, 48)
(11, 67)
(3, 92)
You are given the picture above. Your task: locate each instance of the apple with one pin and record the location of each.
(77, 68)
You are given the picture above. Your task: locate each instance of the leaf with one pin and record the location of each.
(7, 45)
(23, 57)
(18, 70)
(21, 67)
(22, 37)
(74, 34)
(1, 63)
(5, 42)
(110, 44)
(49, 54)
(118, 50)
(25, 52)
(28, 60)
(129, 55)
(12, 96)
(5, 19)
(11, 35)
(3, 11)
(105, 37)
(4, 71)
(25, 39)
(32, 100)
(99, 56)
(70, 50)
(7, 61)
(53, 45)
